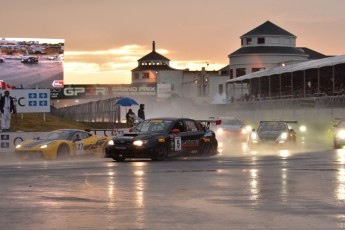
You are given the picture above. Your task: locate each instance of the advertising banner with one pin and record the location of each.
(31, 100)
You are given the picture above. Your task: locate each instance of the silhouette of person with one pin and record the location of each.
(141, 112)
(7, 107)
(130, 118)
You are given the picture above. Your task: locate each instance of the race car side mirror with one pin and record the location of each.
(175, 131)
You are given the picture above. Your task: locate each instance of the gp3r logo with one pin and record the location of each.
(68, 91)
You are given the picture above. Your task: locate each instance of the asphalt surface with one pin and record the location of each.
(238, 189)
(41, 75)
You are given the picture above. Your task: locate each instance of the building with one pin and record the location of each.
(265, 47)
(154, 68)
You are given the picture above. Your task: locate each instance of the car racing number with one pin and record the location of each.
(80, 147)
(178, 144)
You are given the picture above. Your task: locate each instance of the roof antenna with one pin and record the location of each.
(153, 46)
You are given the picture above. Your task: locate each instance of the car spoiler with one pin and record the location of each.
(291, 122)
(207, 123)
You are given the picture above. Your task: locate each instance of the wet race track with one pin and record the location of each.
(238, 189)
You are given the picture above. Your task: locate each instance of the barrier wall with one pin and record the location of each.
(9, 140)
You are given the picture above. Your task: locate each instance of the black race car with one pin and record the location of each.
(273, 132)
(163, 138)
(30, 60)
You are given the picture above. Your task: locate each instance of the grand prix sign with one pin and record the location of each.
(31, 100)
(92, 91)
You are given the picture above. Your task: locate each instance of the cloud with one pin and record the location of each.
(113, 66)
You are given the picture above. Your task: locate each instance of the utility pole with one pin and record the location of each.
(202, 79)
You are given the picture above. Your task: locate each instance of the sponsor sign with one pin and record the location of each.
(31, 100)
(58, 83)
(91, 91)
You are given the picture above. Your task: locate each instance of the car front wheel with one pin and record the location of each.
(63, 152)
(160, 153)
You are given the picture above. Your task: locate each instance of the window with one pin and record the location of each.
(261, 40)
(257, 69)
(231, 73)
(249, 41)
(220, 88)
(135, 76)
(240, 72)
(191, 126)
(145, 75)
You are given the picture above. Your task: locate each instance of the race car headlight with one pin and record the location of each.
(283, 136)
(244, 131)
(111, 142)
(18, 146)
(140, 142)
(341, 134)
(220, 131)
(302, 128)
(254, 137)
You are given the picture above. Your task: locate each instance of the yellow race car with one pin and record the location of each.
(62, 143)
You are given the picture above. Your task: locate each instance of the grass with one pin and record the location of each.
(38, 122)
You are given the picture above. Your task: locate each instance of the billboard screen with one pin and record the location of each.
(31, 63)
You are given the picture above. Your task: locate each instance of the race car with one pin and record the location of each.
(339, 134)
(231, 129)
(30, 60)
(62, 143)
(162, 138)
(273, 132)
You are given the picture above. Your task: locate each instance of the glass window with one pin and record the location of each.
(249, 41)
(261, 40)
(240, 72)
(257, 69)
(145, 75)
(231, 73)
(191, 126)
(136, 76)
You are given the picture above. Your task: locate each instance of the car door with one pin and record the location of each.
(194, 134)
(188, 139)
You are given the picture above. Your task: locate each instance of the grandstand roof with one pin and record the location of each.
(313, 64)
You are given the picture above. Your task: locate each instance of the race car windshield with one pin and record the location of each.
(55, 136)
(153, 126)
(272, 127)
(231, 122)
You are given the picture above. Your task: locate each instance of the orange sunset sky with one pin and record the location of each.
(105, 38)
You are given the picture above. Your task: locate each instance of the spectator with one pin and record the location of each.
(130, 118)
(6, 107)
(141, 112)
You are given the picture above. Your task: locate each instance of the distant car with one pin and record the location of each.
(339, 134)
(231, 129)
(162, 138)
(273, 133)
(30, 60)
(2, 59)
(62, 143)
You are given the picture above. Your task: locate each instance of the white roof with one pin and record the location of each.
(331, 61)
